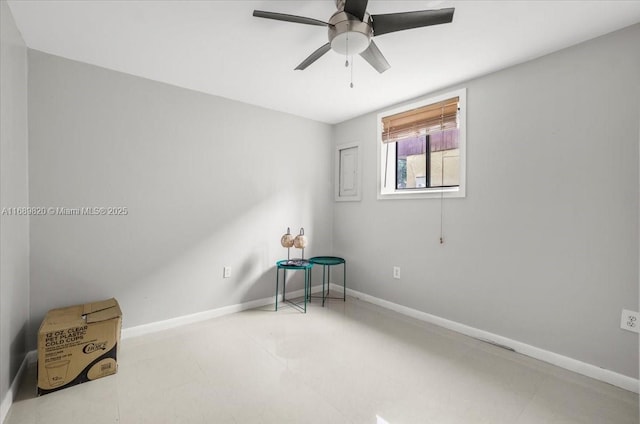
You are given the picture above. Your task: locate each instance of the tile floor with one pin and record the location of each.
(349, 362)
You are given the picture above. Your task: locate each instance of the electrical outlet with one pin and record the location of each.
(630, 321)
(396, 272)
(226, 272)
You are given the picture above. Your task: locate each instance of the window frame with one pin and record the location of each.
(390, 191)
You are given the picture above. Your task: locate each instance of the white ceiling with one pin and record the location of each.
(218, 47)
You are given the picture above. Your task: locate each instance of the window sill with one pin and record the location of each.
(455, 192)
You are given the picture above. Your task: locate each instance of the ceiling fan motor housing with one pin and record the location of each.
(348, 35)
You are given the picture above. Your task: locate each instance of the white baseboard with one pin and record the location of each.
(608, 376)
(205, 315)
(29, 358)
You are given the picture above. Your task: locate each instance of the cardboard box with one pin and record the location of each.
(78, 344)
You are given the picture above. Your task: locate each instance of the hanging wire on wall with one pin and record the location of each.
(442, 178)
(442, 173)
(386, 159)
(442, 201)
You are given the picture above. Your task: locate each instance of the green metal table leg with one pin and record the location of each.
(344, 281)
(284, 285)
(324, 293)
(310, 279)
(306, 285)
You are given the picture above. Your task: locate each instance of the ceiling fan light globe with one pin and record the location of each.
(350, 43)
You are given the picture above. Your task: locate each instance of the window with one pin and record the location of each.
(421, 148)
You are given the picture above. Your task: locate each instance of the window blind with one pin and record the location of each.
(423, 120)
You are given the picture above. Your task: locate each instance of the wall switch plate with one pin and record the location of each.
(226, 272)
(630, 321)
(396, 272)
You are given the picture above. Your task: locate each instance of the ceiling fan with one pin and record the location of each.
(351, 29)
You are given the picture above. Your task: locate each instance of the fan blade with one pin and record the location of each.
(392, 22)
(374, 56)
(356, 8)
(314, 56)
(288, 18)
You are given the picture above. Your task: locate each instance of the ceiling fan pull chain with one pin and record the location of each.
(346, 62)
(346, 55)
(351, 85)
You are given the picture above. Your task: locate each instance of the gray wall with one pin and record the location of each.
(14, 230)
(544, 248)
(208, 182)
